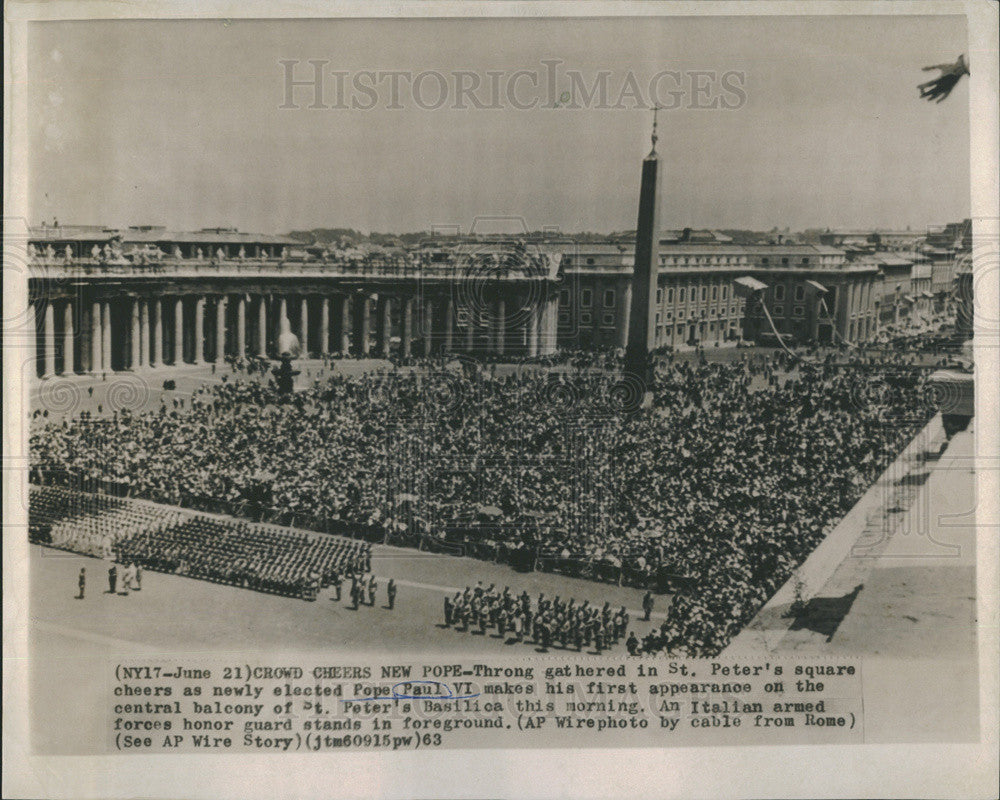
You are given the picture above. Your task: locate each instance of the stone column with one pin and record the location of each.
(96, 350)
(385, 325)
(105, 336)
(157, 358)
(136, 336)
(48, 340)
(324, 325)
(199, 330)
(345, 324)
(304, 327)
(32, 340)
(555, 324)
(551, 325)
(449, 322)
(428, 325)
(365, 326)
(282, 313)
(262, 327)
(241, 326)
(533, 332)
(543, 330)
(220, 329)
(143, 333)
(178, 331)
(68, 337)
(500, 336)
(407, 327)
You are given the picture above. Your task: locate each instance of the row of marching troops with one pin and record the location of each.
(362, 588)
(543, 621)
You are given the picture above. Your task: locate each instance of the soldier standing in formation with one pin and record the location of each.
(81, 582)
(112, 579)
(647, 605)
(545, 622)
(391, 592)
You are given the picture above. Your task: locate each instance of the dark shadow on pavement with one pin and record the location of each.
(823, 615)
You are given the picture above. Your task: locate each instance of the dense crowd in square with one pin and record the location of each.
(716, 492)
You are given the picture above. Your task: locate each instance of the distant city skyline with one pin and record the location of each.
(180, 123)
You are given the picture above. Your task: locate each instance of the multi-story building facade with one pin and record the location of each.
(953, 236)
(921, 288)
(812, 293)
(103, 301)
(106, 300)
(894, 290)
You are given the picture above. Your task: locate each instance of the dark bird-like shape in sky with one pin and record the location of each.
(939, 88)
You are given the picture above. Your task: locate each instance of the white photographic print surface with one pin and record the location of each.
(500, 400)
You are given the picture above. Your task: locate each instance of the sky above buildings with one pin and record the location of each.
(780, 121)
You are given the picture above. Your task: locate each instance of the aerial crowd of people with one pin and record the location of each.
(718, 490)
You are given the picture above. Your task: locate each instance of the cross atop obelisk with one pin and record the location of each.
(642, 320)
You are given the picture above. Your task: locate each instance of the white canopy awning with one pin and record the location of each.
(746, 285)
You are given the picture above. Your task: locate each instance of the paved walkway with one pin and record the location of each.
(907, 588)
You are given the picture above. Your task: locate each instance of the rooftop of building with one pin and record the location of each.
(150, 234)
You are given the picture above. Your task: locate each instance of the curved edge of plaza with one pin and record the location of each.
(837, 601)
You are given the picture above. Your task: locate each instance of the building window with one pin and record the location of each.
(670, 296)
(609, 298)
(725, 292)
(779, 292)
(715, 292)
(585, 318)
(765, 260)
(462, 317)
(711, 326)
(800, 293)
(680, 315)
(585, 298)
(784, 261)
(590, 261)
(657, 317)
(779, 311)
(799, 311)
(564, 318)
(564, 297)
(732, 309)
(805, 260)
(680, 295)
(608, 319)
(711, 311)
(704, 294)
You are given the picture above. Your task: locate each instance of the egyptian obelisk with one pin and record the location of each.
(642, 324)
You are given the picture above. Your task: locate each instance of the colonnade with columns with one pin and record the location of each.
(126, 332)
